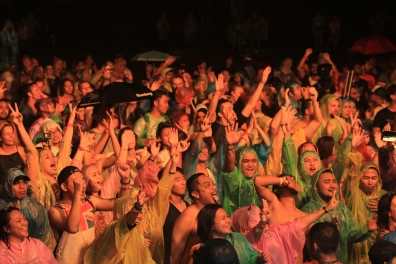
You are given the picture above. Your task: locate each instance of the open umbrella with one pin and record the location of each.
(151, 56)
(116, 92)
(373, 45)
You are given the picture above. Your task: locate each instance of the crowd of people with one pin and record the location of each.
(286, 167)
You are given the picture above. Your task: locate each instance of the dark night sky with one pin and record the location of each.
(106, 28)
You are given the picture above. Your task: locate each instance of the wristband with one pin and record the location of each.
(137, 207)
(133, 210)
(324, 208)
(281, 181)
(125, 183)
(126, 186)
(232, 147)
(69, 125)
(216, 93)
(82, 149)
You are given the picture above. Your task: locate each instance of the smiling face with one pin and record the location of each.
(177, 83)
(48, 163)
(203, 156)
(17, 227)
(4, 110)
(221, 225)
(95, 178)
(249, 165)
(7, 135)
(311, 164)
(56, 135)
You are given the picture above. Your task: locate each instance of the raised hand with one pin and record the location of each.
(127, 137)
(124, 170)
(219, 85)
(79, 186)
(183, 146)
(357, 137)
(111, 124)
(293, 184)
(355, 121)
(142, 197)
(308, 52)
(155, 148)
(175, 156)
(265, 214)
(2, 87)
(332, 204)
(170, 60)
(16, 116)
(232, 135)
(326, 56)
(141, 153)
(313, 94)
(266, 72)
(205, 124)
(73, 110)
(387, 127)
(86, 139)
(155, 86)
(287, 98)
(212, 77)
(173, 137)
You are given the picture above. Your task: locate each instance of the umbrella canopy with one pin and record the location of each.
(373, 45)
(151, 56)
(116, 92)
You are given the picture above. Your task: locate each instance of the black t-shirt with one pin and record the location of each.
(170, 220)
(383, 117)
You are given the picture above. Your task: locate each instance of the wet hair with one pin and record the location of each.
(162, 126)
(301, 147)
(384, 206)
(276, 188)
(157, 95)
(5, 222)
(326, 236)
(205, 221)
(192, 183)
(390, 91)
(305, 104)
(62, 84)
(325, 146)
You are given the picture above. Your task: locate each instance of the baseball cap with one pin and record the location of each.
(66, 173)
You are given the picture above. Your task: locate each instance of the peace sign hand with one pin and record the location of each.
(265, 214)
(16, 116)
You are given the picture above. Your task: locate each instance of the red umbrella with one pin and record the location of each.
(373, 45)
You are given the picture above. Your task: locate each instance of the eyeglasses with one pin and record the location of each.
(207, 185)
(56, 132)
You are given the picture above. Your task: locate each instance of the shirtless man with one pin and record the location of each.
(282, 201)
(202, 191)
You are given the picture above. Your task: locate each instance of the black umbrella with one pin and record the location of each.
(116, 92)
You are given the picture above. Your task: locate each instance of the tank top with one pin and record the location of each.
(7, 162)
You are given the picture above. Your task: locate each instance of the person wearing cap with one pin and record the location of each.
(324, 187)
(362, 189)
(72, 218)
(16, 195)
(383, 252)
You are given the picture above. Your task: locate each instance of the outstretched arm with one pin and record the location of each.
(247, 110)
(311, 128)
(300, 66)
(232, 138)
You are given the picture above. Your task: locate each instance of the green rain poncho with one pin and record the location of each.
(32, 210)
(239, 191)
(304, 180)
(337, 132)
(357, 202)
(350, 230)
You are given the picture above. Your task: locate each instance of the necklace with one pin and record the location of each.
(330, 262)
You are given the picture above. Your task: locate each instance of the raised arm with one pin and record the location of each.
(300, 66)
(311, 128)
(261, 184)
(219, 85)
(70, 223)
(247, 110)
(232, 138)
(31, 151)
(326, 56)
(167, 63)
(110, 126)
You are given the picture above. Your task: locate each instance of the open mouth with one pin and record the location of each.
(53, 165)
(312, 170)
(215, 197)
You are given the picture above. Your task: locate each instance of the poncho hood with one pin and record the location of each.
(324, 105)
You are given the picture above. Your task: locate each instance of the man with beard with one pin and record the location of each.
(325, 186)
(4, 109)
(202, 191)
